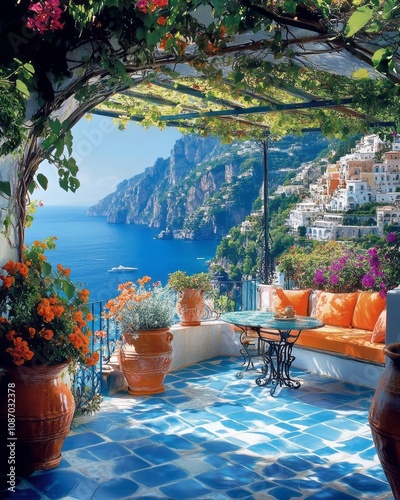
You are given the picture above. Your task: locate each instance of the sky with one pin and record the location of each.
(106, 156)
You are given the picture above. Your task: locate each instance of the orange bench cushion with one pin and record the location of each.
(336, 308)
(353, 342)
(368, 307)
(379, 332)
(298, 299)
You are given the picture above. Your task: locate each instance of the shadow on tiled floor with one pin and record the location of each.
(214, 436)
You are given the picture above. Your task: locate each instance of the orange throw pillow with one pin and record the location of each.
(369, 306)
(298, 299)
(336, 309)
(379, 332)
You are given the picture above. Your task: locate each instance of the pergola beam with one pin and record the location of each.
(325, 103)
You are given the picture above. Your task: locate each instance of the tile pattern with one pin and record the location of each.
(214, 436)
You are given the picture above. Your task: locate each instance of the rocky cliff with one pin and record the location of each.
(199, 192)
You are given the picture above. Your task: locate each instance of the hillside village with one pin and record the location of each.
(370, 173)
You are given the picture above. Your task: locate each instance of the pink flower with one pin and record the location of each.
(319, 277)
(142, 5)
(368, 281)
(46, 16)
(334, 279)
(391, 237)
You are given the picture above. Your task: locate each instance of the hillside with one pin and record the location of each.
(205, 187)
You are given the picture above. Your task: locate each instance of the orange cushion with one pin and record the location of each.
(354, 343)
(369, 306)
(336, 308)
(379, 332)
(298, 299)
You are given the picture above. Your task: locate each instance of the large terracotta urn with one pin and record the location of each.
(36, 411)
(145, 359)
(190, 307)
(384, 418)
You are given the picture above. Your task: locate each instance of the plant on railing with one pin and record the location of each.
(180, 281)
(222, 302)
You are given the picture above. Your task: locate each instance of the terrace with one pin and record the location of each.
(212, 435)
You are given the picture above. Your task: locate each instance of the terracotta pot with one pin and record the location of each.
(43, 411)
(384, 418)
(145, 360)
(190, 307)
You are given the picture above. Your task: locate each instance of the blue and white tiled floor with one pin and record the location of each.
(214, 436)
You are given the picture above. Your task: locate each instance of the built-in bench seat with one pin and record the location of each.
(352, 342)
(354, 331)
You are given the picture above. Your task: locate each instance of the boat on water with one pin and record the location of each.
(122, 269)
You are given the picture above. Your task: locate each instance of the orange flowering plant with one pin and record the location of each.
(142, 306)
(43, 314)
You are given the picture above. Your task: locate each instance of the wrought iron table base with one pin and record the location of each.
(248, 352)
(274, 347)
(277, 359)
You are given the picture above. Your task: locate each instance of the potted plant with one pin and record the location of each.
(191, 289)
(42, 331)
(144, 314)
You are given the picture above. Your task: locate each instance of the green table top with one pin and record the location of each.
(261, 319)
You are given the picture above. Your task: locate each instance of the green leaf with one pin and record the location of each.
(68, 289)
(392, 66)
(42, 181)
(68, 139)
(389, 9)
(46, 268)
(59, 145)
(290, 6)
(152, 38)
(72, 166)
(361, 74)
(5, 188)
(219, 7)
(22, 88)
(74, 184)
(31, 187)
(55, 126)
(380, 56)
(63, 183)
(140, 33)
(49, 141)
(29, 68)
(358, 20)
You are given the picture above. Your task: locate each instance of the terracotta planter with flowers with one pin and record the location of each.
(190, 305)
(144, 315)
(37, 413)
(145, 359)
(42, 330)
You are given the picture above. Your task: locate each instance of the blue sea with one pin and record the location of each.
(90, 246)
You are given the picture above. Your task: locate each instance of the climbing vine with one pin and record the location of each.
(61, 59)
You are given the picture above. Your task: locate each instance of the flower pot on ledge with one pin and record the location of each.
(190, 307)
(145, 359)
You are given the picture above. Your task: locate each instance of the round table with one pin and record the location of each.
(278, 343)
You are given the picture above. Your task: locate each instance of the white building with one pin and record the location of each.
(387, 215)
